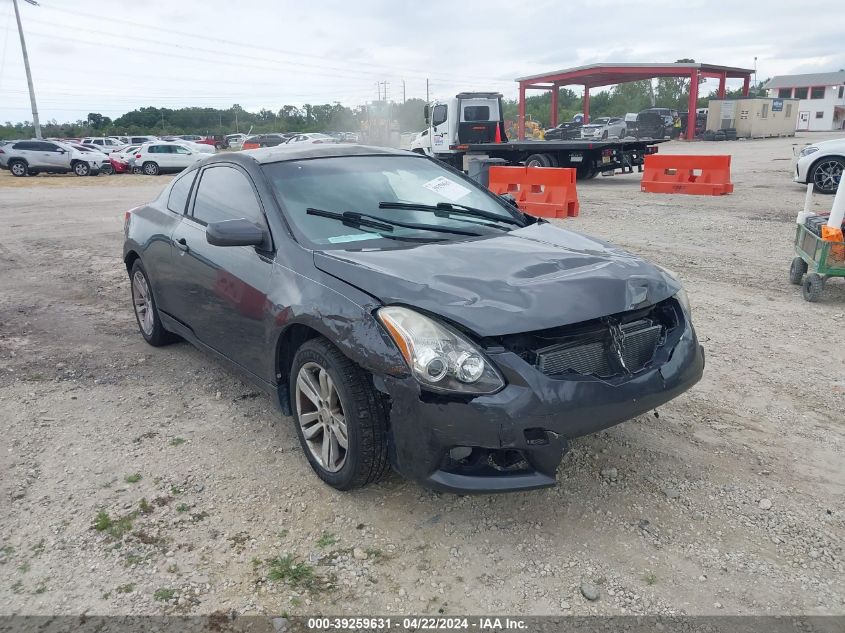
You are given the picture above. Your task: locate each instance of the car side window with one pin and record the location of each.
(438, 115)
(226, 193)
(180, 191)
(181, 150)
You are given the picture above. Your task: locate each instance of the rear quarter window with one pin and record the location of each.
(179, 192)
(477, 113)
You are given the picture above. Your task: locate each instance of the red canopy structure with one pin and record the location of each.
(595, 75)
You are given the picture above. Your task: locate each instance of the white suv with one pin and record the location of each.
(29, 158)
(106, 144)
(158, 157)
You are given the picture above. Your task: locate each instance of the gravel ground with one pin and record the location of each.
(136, 480)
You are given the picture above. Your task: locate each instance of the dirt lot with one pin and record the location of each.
(729, 502)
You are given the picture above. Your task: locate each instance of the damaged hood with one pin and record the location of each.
(533, 278)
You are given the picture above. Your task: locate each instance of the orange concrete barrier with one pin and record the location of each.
(694, 175)
(545, 192)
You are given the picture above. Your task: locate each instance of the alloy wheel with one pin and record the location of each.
(321, 417)
(143, 302)
(18, 169)
(827, 175)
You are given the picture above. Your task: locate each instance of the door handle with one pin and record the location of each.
(182, 244)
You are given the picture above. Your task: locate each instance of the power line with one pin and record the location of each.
(296, 54)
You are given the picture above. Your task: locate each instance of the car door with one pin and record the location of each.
(220, 292)
(52, 156)
(181, 157)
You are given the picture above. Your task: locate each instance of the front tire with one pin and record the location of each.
(826, 174)
(107, 170)
(813, 287)
(151, 169)
(146, 313)
(797, 270)
(340, 418)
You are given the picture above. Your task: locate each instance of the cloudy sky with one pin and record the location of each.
(111, 56)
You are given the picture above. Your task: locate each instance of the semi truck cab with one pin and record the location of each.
(468, 117)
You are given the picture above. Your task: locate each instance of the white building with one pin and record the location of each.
(821, 96)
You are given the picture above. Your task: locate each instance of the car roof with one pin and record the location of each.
(283, 153)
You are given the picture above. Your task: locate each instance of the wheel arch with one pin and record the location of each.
(130, 258)
(289, 341)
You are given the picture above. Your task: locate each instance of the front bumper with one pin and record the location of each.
(800, 169)
(520, 434)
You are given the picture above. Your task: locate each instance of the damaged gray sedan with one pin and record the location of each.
(405, 316)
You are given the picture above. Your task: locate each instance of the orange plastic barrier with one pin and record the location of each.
(694, 175)
(545, 192)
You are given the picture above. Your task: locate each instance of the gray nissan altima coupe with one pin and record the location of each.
(403, 315)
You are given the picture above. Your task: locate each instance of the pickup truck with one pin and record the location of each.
(471, 125)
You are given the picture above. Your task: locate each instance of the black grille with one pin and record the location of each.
(601, 353)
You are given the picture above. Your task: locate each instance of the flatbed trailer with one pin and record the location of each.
(589, 158)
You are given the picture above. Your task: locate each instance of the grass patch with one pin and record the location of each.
(115, 528)
(164, 594)
(145, 506)
(283, 533)
(8, 550)
(35, 377)
(172, 568)
(133, 558)
(650, 578)
(375, 554)
(133, 478)
(38, 548)
(42, 588)
(177, 441)
(196, 518)
(17, 587)
(182, 507)
(327, 539)
(297, 574)
(23, 568)
(127, 588)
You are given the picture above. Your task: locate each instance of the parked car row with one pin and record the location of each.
(34, 156)
(274, 139)
(649, 123)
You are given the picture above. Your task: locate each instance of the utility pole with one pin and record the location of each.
(403, 92)
(35, 121)
(426, 90)
(755, 75)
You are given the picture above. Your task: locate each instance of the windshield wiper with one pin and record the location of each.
(445, 209)
(357, 220)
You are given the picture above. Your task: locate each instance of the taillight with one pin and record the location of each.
(2, 152)
(137, 156)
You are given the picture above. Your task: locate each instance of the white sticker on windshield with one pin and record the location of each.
(449, 189)
(356, 237)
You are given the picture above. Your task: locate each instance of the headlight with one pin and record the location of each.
(440, 358)
(808, 150)
(681, 295)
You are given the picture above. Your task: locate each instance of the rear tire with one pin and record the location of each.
(538, 160)
(18, 168)
(151, 169)
(354, 401)
(81, 168)
(797, 270)
(813, 287)
(144, 306)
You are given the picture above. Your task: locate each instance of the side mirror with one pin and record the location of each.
(235, 233)
(427, 113)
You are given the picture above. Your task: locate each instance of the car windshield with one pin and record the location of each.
(360, 184)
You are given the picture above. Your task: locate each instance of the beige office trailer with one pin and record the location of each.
(754, 118)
